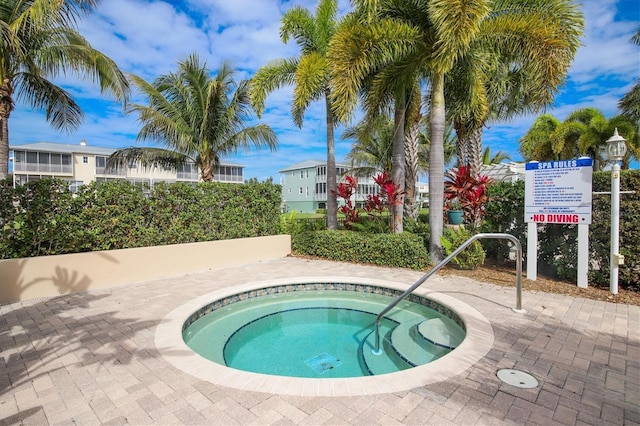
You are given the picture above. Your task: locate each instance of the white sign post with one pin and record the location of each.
(558, 192)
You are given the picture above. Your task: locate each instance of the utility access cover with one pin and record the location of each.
(517, 378)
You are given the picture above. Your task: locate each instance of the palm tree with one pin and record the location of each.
(372, 146)
(432, 37)
(310, 75)
(537, 145)
(584, 132)
(450, 144)
(630, 103)
(39, 42)
(497, 158)
(382, 88)
(198, 118)
(497, 79)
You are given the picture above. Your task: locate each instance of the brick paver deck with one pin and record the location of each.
(90, 358)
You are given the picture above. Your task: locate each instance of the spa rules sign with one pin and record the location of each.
(558, 191)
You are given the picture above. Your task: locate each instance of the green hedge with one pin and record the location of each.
(43, 217)
(396, 250)
(557, 254)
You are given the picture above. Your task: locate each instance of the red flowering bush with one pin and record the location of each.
(345, 190)
(470, 191)
(376, 205)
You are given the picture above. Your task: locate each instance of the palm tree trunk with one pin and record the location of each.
(411, 171)
(397, 157)
(207, 172)
(6, 106)
(332, 182)
(474, 144)
(436, 166)
(461, 144)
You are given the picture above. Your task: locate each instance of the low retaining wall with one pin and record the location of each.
(46, 276)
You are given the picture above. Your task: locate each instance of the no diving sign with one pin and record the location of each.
(558, 191)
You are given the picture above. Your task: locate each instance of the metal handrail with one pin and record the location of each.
(518, 308)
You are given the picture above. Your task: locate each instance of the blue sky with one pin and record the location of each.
(148, 38)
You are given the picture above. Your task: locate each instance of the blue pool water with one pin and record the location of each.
(316, 334)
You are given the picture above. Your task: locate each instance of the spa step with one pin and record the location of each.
(441, 332)
(387, 362)
(411, 347)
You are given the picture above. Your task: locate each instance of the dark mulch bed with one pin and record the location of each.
(504, 274)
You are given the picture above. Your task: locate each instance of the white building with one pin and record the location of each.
(81, 164)
(503, 172)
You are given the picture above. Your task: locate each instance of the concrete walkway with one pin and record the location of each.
(90, 358)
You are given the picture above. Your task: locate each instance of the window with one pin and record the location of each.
(74, 185)
(43, 158)
(300, 191)
(306, 173)
(301, 174)
(289, 190)
(32, 157)
(101, 161)
(307, 191)
(85, 160)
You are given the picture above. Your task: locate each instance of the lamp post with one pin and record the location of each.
(616, 149)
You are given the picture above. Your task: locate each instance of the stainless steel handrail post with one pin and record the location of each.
(518, 308)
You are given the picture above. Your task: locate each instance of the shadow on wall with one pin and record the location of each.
(15, 285)
(47, 276)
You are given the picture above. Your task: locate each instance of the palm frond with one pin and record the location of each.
(146, 157)
(272, 76)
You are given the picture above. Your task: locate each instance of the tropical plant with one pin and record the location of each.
(469, 258)
(40, 42)
(372, 145)
(536, 143)
(630, 103)
(431, 38)
(452, 204)
(310, 76)
(497, 158)
(377, 205)
(469, 190)
(389, 197)
(383, 88)
(450, 144)
(345, 191)
(498, 77)
(198, 118)
(584, 132)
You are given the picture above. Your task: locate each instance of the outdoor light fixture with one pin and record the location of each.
(616, 149)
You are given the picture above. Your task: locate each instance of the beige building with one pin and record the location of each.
(81, 164)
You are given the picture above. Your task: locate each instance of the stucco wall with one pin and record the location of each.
(45, 276)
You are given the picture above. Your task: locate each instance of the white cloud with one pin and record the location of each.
(148, 37)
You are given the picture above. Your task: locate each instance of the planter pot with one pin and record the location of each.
(455, 217)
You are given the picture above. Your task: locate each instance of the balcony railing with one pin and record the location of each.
(44, 168)
(110, 172)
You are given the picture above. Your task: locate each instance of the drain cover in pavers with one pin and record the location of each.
(517, 378)
(323, 363)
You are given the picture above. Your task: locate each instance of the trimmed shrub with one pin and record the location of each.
(396, 250)
(504, 213)
(43, 217)
(469, 258)
(557, 252)
(600, 229)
